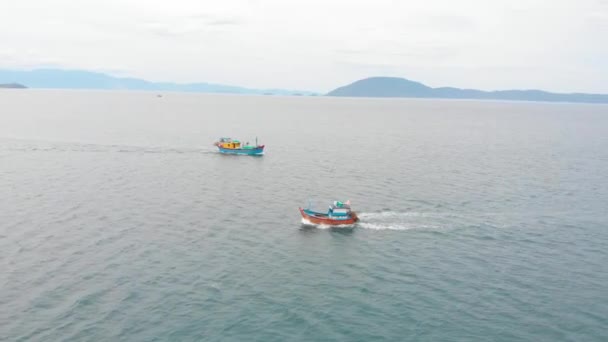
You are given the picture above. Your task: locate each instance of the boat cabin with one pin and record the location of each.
(339, 209)
(229, 143)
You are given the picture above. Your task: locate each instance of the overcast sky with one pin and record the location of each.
(558, 45)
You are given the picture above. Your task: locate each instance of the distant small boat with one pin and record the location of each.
(338, 214)
(230, 146)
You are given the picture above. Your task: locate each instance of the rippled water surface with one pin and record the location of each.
(480, 221)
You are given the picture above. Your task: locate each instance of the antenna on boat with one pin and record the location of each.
(256, 141)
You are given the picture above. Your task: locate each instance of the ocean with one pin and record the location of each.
(480, 220)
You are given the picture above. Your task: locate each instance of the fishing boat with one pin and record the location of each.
(339, 213)
(230, 146)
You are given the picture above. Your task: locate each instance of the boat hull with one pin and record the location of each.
(257, 151)
(318, 218)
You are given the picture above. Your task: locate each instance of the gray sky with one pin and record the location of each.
(558, 45)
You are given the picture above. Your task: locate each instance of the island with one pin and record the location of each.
(12, 86)
(401, 87)
(83, 79)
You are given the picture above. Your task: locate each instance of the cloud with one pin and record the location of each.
(190, 25)
(225, 22)
(26, 58)
(446, 22)
(214, 19)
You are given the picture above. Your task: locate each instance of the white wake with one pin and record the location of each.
(391, 220)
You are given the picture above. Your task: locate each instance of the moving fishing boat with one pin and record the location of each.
(339, 213)
(230, 146)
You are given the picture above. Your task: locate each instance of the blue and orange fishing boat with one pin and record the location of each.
(338, 214)
(230, 146)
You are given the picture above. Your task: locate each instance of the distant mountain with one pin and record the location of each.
(12, 86)
(78, 79)
(400, 87)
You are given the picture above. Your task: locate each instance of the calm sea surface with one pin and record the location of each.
(481, 221)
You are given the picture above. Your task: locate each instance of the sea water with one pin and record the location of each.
(480, 221)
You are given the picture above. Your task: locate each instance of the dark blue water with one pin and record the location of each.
(481, 221)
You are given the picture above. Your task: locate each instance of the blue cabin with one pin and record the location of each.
(339, 210)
